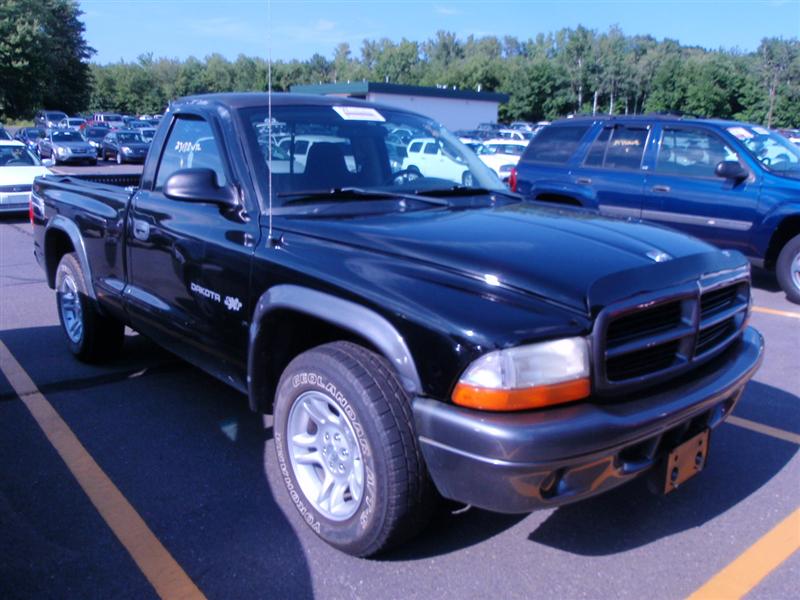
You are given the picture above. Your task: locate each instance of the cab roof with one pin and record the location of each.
(238, 100)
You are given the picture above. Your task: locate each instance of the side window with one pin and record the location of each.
(626, 148)
(691, 152)
(597, 153)
(191, 144)
(555, 145)
(431, 148)
(415, 147)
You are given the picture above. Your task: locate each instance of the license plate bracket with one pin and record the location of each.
(685, 461)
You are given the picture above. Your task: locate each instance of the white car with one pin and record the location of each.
(502, 155)
(428, 158)
(303, 143)
(18, 167)
(73, 123)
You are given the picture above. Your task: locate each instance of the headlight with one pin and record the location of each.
(61, 150)
(125, 149)
(93, 143)
(527, 377)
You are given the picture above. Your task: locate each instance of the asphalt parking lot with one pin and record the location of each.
(179, 479)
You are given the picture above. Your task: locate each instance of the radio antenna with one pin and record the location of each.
(269, 115)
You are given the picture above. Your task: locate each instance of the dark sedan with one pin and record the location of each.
(124, 146)
(95, 137)
(30, 137)
(65, 145)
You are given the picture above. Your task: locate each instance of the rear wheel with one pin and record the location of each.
(91, 336)
(347, 451)
(787, 269)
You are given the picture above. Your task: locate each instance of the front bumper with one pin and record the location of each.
(518, 462)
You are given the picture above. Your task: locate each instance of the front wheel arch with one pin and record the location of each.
(291, 319)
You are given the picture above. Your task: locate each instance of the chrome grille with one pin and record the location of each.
(651, 338)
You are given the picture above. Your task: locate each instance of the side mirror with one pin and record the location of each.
(731, 169)
(199, 185)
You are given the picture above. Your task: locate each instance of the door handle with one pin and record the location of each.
(584, 180)
(141, 230)
(661, 188)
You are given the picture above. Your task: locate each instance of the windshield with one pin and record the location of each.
(129, 138)
(17, 156)
(772, 150)
(96, 132)
(67, 136)
(34, 133)
(55, 116)
(321, 148)
(148, 134)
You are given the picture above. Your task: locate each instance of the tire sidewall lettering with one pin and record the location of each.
(300, 382)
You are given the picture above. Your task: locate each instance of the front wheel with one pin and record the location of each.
(347, 451)
(787, 269)
(91, 336)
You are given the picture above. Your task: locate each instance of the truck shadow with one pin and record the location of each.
(765, 280)
(187, 453)
(740, 463)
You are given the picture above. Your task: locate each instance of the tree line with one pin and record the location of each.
(570, 71)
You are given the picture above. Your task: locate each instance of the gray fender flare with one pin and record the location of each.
(337, 311)
(71, 229)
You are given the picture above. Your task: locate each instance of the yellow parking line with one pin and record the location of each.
(765, 429)
(755, 563)
(155, 562)
(780, 313)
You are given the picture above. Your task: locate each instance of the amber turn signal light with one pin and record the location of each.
(541, 396)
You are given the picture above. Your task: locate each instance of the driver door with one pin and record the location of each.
(684, 193)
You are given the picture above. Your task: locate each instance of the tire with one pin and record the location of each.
(104, 155)
(787, 269)
(91, 336)
(352, 396)
(119, 157)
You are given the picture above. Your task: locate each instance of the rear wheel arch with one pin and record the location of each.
(558, 199)
(62, 236)
(291, 319)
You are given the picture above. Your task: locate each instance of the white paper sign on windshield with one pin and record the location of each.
(359, 113)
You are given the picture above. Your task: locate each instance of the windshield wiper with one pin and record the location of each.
(352, 193)
(464, 190)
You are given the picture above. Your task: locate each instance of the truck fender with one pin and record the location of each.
(339, 312)
(61, 223)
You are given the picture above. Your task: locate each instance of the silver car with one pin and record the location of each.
(65, 145)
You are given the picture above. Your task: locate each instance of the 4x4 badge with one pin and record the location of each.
(232, 303)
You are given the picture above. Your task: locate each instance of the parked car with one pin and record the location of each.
(18, 168)
(112, 120)
(299, 147)
(502, 155)
(431, 157)
(66, 146)
(733, 184)
(514, 134)
(410, 337)
(30, 137)
(147, 133)
(74, 123)
(124, 146)
(95, 136)
(46, 119)
(793, 135)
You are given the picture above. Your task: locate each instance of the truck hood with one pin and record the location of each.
(554, 254)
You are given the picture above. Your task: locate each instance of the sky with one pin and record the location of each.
(125, 29)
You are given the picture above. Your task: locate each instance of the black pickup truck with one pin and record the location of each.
(414, 335)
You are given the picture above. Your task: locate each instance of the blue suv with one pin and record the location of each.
(733, 184)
